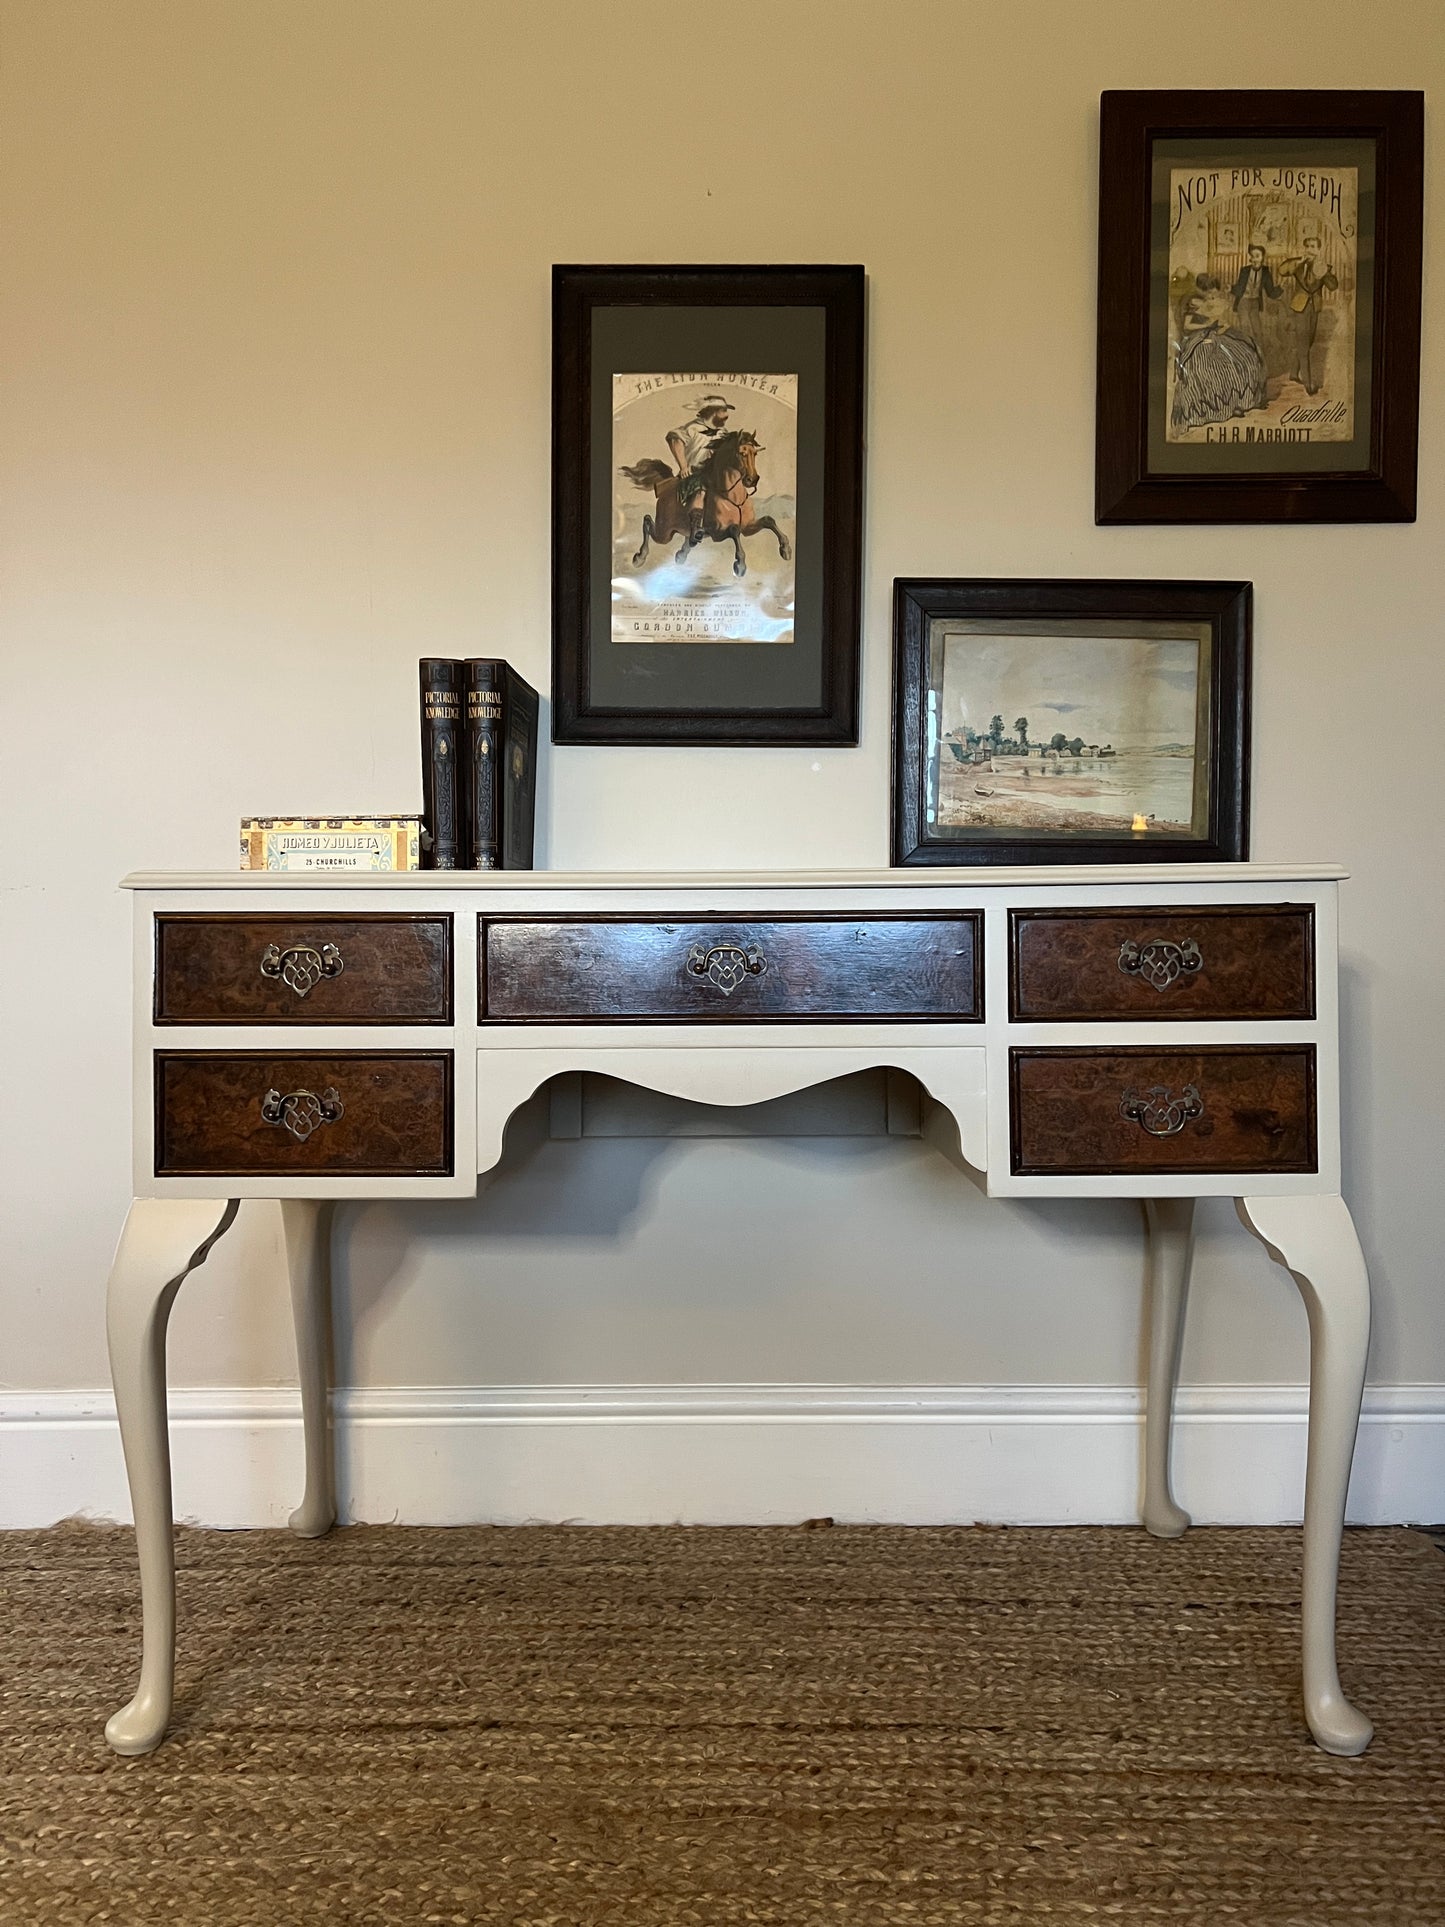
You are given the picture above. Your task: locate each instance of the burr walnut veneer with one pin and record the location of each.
(284, 970)
(1161, 1033)
(796, 969)
(394, 1121)
(1211, 960)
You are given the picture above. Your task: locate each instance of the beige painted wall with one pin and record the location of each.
(275, 327)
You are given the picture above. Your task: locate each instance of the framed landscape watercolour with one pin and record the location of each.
(707, 470)
(1070, 722)
(1259, 307)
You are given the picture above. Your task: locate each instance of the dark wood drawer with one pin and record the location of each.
(1071, 966)
(1218, 1107)
(290, 1114)
(716, 969)
(390, 968)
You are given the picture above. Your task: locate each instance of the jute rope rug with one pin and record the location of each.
(556, 1727)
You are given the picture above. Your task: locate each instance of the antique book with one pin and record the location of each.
(444, 847)
(501, 763)
(324, 843)
(482, 687)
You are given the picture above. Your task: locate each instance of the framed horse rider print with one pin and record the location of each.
(1259, 307)
(707, 456)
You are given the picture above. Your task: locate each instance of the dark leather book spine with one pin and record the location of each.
(441, 744)
(519, 771)
(484, 692)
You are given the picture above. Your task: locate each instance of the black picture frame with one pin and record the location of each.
(605, 319)
(1220, 612)
(1138, 478)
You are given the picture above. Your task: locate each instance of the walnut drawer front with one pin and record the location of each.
(1205, 1108)
(384, 968)
(1227, 962)
(716, 969)
(291, 1114)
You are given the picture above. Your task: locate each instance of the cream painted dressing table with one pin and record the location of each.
(1162, 1033)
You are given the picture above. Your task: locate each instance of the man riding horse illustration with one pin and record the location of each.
(691, 447)
(711, 491)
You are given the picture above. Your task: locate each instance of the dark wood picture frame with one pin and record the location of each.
(1127, 488)
(1224, 606)
(828, 602)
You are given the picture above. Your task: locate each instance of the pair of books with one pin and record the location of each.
(478, 765)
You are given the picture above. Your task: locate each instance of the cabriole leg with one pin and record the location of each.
(307, 1229)
(1314, 1239)
(163, 1241)
(1170, 1224)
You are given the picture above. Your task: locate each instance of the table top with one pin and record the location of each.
(969, 875)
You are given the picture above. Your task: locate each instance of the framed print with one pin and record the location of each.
(706, 526)
(1259, 307)
(1070, 722)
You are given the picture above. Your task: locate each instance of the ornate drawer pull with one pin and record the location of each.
(1160, 962)
(1158, 1111)
(301, 1112)
(725, 965)
(300, 966)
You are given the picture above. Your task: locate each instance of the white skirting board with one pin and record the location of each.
(725, 1455)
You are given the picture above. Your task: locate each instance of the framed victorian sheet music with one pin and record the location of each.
(1259, 307)
(707, 488)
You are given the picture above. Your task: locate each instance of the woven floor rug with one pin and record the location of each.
(556, 1727)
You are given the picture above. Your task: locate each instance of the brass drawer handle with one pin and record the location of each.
(1158, 1111)
(300, 967)
(1160, 962)
(726, 965)
(302, 1112)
